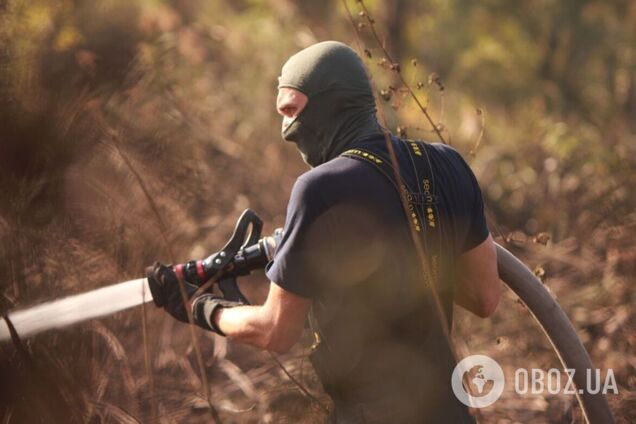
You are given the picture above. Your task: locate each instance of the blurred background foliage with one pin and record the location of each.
(101, 100)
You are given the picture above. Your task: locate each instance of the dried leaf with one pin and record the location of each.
(542, 238)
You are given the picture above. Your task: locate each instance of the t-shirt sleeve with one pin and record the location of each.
(477, 227)
(294, 268)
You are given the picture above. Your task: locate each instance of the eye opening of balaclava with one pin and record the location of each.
(340, 108)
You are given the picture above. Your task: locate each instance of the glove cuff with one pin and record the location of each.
(203, 308)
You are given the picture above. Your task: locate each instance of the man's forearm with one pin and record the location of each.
(275, 326)
(247, 324)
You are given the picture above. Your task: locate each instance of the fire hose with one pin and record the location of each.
(559, 330)
(247, 251)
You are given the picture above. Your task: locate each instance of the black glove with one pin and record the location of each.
(203, 308)
(164, 287)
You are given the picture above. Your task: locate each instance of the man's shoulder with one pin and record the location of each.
(444, 149)
(341, 178)
(448, 159)
(332, 172)
(316, 182)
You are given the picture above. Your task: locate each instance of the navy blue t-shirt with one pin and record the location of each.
(347, 246)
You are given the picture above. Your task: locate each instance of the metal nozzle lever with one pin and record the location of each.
(243, 253)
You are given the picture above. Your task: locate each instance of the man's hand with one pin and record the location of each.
(164, 287)
(166, 293)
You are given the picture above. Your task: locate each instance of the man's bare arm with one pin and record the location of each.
(276, 325)
(478, 288)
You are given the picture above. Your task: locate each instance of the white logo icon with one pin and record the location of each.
(477, 381)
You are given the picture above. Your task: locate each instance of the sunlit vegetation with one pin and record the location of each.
(102, 101)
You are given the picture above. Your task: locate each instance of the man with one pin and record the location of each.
(347, 254)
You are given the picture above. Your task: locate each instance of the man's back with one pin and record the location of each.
(348, 247)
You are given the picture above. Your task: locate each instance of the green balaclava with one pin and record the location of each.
(340, 108)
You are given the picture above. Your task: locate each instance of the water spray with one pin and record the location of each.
(93, 304)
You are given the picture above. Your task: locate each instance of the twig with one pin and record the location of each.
(416, 240)
(163, 230)
(421, 254)
(147, 363)
(298, 383)
(394, 65)
(482, 126)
